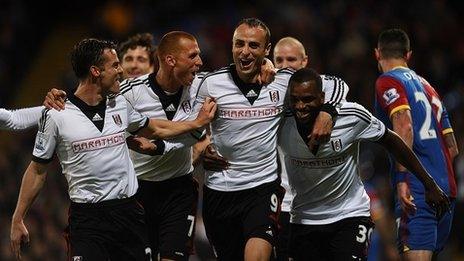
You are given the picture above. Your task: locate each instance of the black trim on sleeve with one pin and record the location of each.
(143, 126)
(40, 160)
(197, 134)
(330, 109)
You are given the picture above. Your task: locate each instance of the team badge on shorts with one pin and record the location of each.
(336, 145)
(274, 95)
(117, 120)
(186, 107)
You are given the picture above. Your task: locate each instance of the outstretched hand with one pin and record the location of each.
(213, 161)
(55, 99)
(437, 199)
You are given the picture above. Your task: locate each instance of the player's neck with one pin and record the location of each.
(391, 64)
(248, 78)
(167, 81)
(91, 95)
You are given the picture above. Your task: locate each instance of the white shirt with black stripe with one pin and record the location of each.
(91, 147)
(335, 90)
(326, 186)
(147, 97)
(245, 130)
(20, 119)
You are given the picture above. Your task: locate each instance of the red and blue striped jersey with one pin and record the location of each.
(401, 88)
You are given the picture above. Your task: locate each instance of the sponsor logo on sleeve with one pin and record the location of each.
(390, 96)
(41, 141)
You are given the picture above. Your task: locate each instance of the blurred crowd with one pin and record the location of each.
(339, 37)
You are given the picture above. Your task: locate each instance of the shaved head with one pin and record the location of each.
(171, 43)
(290, 53)
(293, 43)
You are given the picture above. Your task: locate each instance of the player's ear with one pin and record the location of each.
(95, 71)
(408, 55)
(305, 61)
(170, 60)
(268, 49)
(377, 53)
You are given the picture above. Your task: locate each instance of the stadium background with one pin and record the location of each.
(35, 40)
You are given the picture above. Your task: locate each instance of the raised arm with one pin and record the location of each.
(164, 129)
(32, 183)
(19, 119)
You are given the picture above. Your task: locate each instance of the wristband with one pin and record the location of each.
(330, 109)
(160, 145)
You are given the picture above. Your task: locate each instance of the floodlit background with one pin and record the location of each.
(339, 36)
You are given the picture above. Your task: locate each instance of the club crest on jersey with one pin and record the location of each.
(336, 145)
(274, 95)
(186, 107)
(117, 120)
(390, 96)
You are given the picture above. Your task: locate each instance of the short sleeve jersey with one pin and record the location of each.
(245, 130)
(327, 186)
(401, 88)
(94, 161)
(335, 90)
(147, 97)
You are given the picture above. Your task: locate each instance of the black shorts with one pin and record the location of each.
(347, 239)
(231, 218)
(170, 208)
(283, 237)
(108, 230)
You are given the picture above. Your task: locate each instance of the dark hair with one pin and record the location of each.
(255, 22)
(170, 42)
(143, 40)
(306, 75)
(86, 53)
(393, 43)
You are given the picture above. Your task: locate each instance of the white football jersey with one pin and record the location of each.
(245, 130)
(327, 186)
(335, 92)
(147, 97)
(90, 144)
(20, 119)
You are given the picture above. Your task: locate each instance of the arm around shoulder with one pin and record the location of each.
(163, 129)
